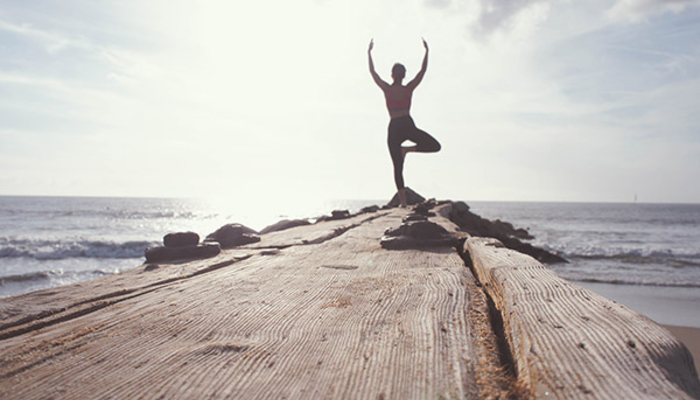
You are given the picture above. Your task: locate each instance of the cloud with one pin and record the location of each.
(54, 42)
(497, 15)
(640, 10)
(128, 66)
(486, 18)
(441, 4)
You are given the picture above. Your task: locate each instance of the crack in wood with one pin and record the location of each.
(505, 353)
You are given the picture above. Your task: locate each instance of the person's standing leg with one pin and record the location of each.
(395, 138)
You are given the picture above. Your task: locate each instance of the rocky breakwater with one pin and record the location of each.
(511, 237)
(416, 231)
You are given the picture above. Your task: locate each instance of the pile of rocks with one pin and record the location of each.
(180, 246)
(503, 231)
(412, 198)
(416, 231)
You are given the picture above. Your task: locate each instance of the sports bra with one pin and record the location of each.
(399, 99)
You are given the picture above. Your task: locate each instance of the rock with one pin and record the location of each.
(475, 225)
(162, 253)
(523, 234)
(460, 207)
(340, 214)
(232, 235)
(424, 208)
(369, 209)
(335, 215)
(411, 198)
(179, 239)
(284, 224)
(151, 267)
(537, 253)
(415, 233)
(426, 230)
(414, 217)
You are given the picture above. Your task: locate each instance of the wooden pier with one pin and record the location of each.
(323, 311)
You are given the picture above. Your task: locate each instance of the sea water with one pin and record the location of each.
(51, 241)
(632, 244)
(645, 256)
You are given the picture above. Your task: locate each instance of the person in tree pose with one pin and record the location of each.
(401, 127)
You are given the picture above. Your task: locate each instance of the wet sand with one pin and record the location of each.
(674, 308)
(691, 338)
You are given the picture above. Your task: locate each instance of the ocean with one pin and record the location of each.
(52, 241)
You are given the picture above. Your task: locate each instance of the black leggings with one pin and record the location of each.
(400, 130)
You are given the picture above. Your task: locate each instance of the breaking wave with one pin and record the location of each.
(40, 249)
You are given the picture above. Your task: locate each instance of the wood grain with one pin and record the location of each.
(341, 318)
(570, 343)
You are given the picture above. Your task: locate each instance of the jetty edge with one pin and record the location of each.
(323, 311)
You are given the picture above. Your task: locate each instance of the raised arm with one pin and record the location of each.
(383, 85)
(421, 73)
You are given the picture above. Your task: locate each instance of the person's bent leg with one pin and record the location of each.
(425, 143)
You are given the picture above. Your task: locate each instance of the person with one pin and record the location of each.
(401, 126)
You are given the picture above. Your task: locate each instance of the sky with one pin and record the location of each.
(532, 100)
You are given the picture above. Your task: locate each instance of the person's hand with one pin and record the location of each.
(425, 44)
(371, 44)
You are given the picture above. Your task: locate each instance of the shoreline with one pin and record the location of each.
(673, 306)
(690, 338)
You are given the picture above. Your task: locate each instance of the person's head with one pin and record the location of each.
(398, 72)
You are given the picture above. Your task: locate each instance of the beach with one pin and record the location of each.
(691, 338)
(674, 308)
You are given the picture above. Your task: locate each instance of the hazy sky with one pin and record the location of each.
(538, 100)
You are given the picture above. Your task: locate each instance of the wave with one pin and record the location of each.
(57, 249)
(109, 214)
(615, 281)
(639, 258)
(49, 275)
(676, 257)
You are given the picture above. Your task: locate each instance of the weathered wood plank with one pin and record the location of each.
(570, 343)
(339, 319)
(34, 308)
(316, 234)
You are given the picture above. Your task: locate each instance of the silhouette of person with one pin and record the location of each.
(401, 126)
